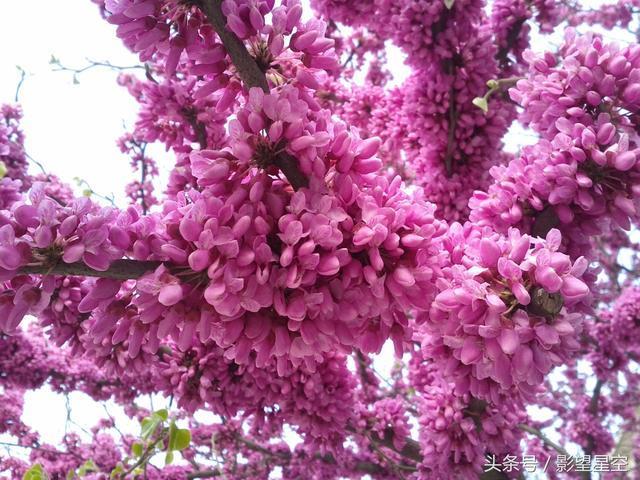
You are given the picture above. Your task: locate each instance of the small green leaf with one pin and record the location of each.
(182, 439)
(87, 467)
(168, 459)
(35, 473)
(71, 474)
(117, 471)
(3, 170)
(149, 426)
(481, 103)
(492, 84)
(163, 414)
(137, 449)
(449, 4)
(179, 438)
(172, 436)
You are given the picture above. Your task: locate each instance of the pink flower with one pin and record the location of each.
(506, 313)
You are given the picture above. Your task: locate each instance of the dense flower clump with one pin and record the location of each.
(507, 311)
(583, 174)
(276, 266)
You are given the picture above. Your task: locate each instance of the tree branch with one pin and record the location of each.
(199, 128)
(247, 67)
(252, 76)
(123, 269)
(288, 165)
(544, 438)
(361, 466)
(204, 474)
(23, 75)
(512, 37)
(411, 451)
(593, 409)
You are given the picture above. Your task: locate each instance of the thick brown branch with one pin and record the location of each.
(204, 474)
(288, 165)
(593, 410)
(199, 128)
(120, 269)
(451, 133)
(252, 76)
(512, 37)
(411, 449)
(245, 64)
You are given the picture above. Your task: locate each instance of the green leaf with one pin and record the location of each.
(35, 473)
(481, 103)
(71, 474)
(162, 414)
(137, 449)
(168, 459)
(3, 169)
(149, 426)
(172, 436)
(87, 467)
(179, 438)
(117, 471)
(182, 439)
(449, 4)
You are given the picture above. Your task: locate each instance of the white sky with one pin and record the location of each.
(71, 129)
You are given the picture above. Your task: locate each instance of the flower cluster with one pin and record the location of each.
(318, 402)
(284, 274)
(171, 113)
(507, 311)
(180, 33)
(42, 233)
(583, 174)
(13, 157)
(140, 191)
(458, 431)
(615, 334)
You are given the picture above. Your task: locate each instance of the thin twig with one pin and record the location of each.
(23, 75)
(546, 440)
(92, 64)
(39, 448)
(40, 166)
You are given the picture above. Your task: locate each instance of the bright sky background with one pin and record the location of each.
(72, 130)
